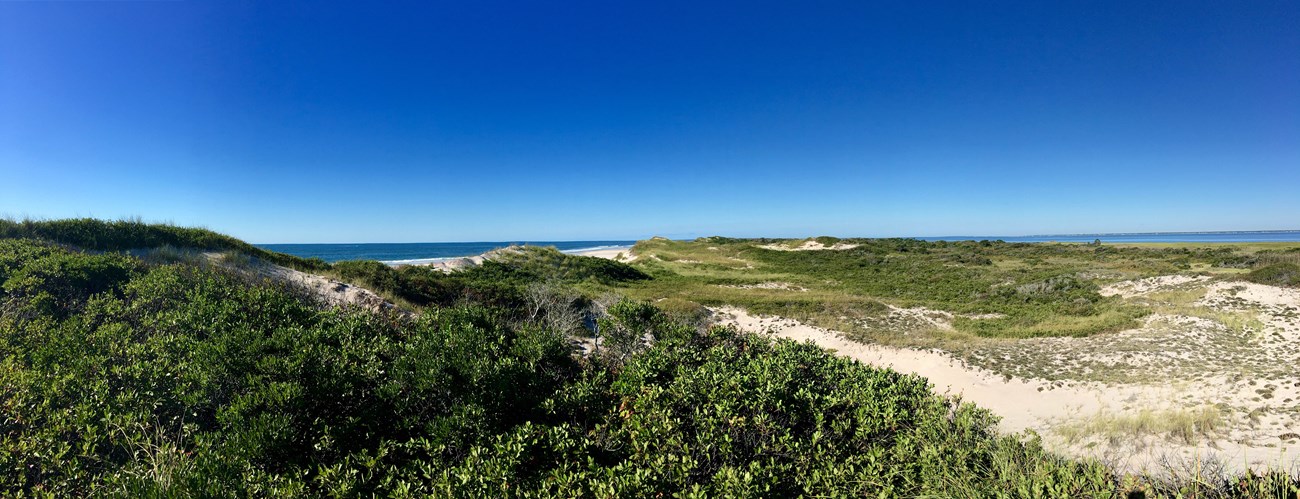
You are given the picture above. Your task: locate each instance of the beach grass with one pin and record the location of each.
(1033, 289)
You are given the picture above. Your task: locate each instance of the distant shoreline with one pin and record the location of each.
(428, 253)
(1167, 233)
(1257, 236)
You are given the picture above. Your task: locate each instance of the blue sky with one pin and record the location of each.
(463, 121)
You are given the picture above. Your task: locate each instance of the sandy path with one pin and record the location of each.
(1044, 407)
(1023, 404)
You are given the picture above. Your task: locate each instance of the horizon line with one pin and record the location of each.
(972, 237)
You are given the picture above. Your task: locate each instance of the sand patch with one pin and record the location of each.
(809, 245)
(911, 320)
(1140, 287)
(783, 286)
(331, 292)
(616, 254)
(1179, 387)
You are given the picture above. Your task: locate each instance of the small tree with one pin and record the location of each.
(551, 305)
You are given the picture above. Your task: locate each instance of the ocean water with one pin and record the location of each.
(411, 253)
(1149, 237)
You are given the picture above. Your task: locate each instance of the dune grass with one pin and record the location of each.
(135, 234)
(1033, 289)
(1189, 426)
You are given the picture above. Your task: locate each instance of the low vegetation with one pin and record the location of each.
(1186, 426)
(497, 281)
(166, 377)
(127, 235)
(991, 288)
(1277, 274)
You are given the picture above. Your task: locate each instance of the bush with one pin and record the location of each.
(60, 281)
(1280, 274)
(125, 378)
(187, 378)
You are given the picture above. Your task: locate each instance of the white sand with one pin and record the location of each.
(330, 291)
(809, 245)
(622, 254)
(783, 286)
(1043, 407)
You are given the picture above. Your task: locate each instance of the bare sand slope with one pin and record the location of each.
(809, 245)
(330, 291)
(1213, 379)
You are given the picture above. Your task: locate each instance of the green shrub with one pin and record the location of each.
(187, 378)
(120, 377)
(1278, 274)
(60, 281)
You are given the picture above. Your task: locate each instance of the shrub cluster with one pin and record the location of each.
(126, 377)
(1278, 274)
(499, 281)
(176, 379)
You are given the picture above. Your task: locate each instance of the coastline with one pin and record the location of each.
(606, 252)
(448, 264)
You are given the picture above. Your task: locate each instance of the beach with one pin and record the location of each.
(621, 253)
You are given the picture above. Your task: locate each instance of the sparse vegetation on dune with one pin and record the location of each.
(496, 281)
(126, 235)
(1032, 289)
(1150, 319)
(1017, 290)
(163, 374)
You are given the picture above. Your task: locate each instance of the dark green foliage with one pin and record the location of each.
(532, 263)
(125, 378)
(497, 282)
(720, 240)
(1278, 274)
(425, 287)
(57, 281)
(189, 377)
(153, 380)
(629, 325)
(732, 414)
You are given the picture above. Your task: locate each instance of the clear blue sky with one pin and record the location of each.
(482, 120)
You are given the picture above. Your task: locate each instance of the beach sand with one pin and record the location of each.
(621, 253)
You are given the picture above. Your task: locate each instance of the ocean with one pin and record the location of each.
(413, 253)
(1144, 237)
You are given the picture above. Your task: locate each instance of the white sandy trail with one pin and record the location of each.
(1031, 404)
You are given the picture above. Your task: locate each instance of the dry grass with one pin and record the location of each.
(1188, 426)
